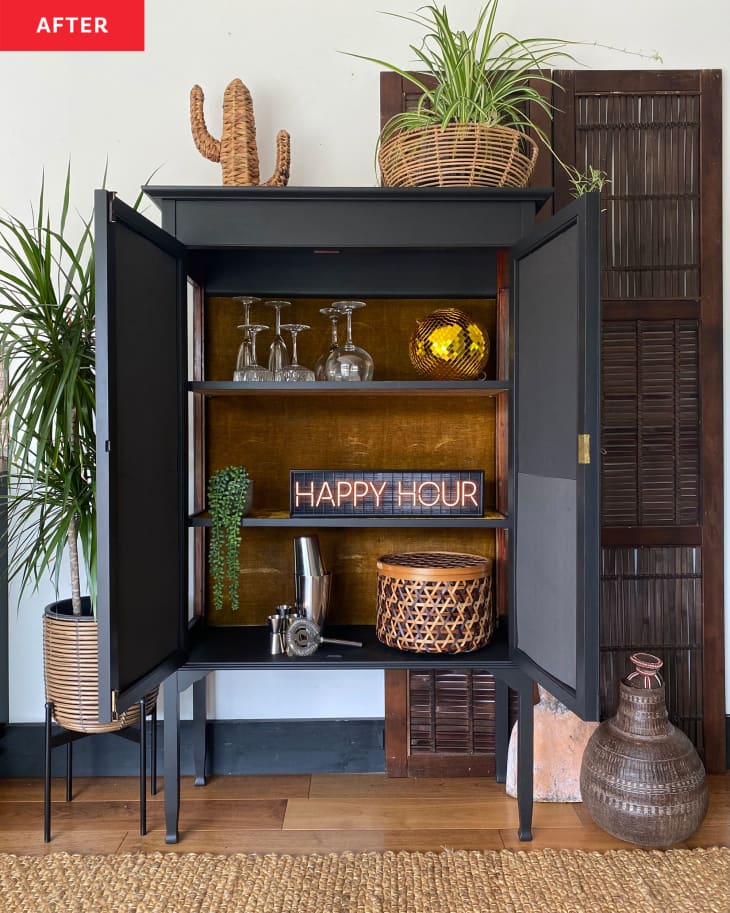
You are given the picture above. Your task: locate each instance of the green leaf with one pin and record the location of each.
(48, 342)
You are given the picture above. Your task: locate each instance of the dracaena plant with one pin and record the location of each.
(483, 76)
(47, 341)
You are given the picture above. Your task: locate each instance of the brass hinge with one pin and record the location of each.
(115, 714)
(584, 449)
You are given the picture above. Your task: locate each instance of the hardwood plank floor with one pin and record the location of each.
(309, 814)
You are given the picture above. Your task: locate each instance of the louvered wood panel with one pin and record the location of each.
(651, 601)
(657, 135)
(452, 722)
(650, 423)
(648, 144)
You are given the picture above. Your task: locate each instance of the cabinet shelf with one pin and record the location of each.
(490, 520)
(371, 388)
(247, 647)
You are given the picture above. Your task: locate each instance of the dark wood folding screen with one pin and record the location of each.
(657, 134)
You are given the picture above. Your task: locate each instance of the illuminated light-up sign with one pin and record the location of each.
(345, 493)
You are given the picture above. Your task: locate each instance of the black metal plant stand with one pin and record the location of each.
(67, 737)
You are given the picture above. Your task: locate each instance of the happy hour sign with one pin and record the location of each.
(343, 493)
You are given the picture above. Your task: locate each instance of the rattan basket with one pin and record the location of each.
(435, 602)
(457, 155)
(71, 672)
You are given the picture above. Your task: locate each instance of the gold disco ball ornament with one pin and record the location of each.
(449, 345)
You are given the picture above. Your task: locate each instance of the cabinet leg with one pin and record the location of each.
(501, 707)
(525, 761)
(153, 752)
(171, 696)
(199, 729)
(69, 771)
(47, 775)
(142, 768)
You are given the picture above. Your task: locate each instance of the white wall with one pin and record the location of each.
(132, 108)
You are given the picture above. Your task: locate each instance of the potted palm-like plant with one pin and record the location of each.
(471, 121)
(47, 341)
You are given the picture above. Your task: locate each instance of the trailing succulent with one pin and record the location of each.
(227, 491)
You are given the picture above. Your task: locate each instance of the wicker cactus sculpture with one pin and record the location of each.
(236, 150)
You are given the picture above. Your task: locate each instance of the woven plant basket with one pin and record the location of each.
(458, 155)
(435, 602)
(71, 671)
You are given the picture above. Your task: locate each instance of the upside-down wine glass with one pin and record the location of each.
(349, 362)
(244, 356)
(295, 372)
(254, 371)
(278, 354)
(319, 366)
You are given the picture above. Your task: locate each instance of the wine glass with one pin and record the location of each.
(334, 315)
(349, 362)
(244, 356)
(295, 372)
(254, 371)
(278, 354)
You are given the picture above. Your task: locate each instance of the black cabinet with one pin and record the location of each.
(164, 349)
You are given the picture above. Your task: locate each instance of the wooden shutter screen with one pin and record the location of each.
(657, 135)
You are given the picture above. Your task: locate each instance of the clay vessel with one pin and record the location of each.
(641, 778)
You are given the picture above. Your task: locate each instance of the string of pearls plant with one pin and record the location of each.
(227, 492)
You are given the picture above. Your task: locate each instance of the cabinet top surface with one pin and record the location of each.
(347, 217)
(412, 194)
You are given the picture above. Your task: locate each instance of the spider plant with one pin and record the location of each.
(483, 76)
(47, 341)
(583, 182)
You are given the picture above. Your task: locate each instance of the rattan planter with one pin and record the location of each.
(458, 155)
(435, 602)
(71, 670)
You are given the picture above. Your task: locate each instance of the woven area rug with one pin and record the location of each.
(545, 881)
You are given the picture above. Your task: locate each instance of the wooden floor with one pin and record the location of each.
(309, 814)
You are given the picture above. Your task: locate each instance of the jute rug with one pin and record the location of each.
(546, 881)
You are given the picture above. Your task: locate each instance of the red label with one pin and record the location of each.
(71, 25)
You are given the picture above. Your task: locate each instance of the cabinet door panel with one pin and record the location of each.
(556, 315)
(141, 454)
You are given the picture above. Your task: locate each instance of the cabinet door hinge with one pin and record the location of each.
(115, 714)
(584, 449)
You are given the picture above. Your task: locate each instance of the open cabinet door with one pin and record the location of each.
(141, 453)
(554, 629)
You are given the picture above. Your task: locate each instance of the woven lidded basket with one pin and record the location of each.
(458, 155)
(435, 602)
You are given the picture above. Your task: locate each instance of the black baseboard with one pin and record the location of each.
(234, 747)
(727, 742)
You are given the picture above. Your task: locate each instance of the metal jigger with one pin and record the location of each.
(276, 640)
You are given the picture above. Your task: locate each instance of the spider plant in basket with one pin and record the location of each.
(47, 341)
(470, 125)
